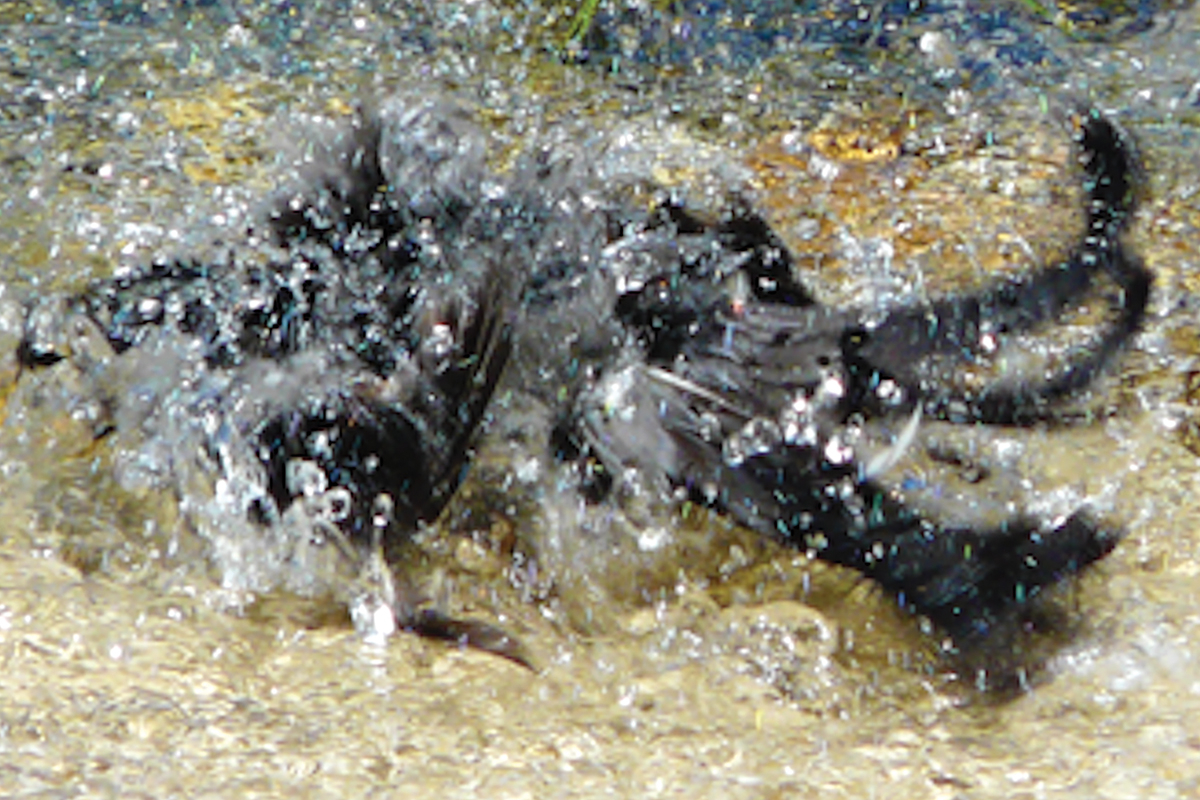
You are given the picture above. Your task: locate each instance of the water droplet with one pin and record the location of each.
(305, 478)
(756, 437)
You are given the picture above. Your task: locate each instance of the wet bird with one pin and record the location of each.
(326, 378)
(759, 405)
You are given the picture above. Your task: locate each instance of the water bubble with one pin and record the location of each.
(439, 343)
(756, 437)
(890, 392)
(149, 309)
(838, 452)
(382, 510)
(318, 445)
(305, 478)
(373, 618)
(338, 503)
(709, 425)
(653, 538)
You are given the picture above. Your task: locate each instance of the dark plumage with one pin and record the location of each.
(758, 412)
(328, 375)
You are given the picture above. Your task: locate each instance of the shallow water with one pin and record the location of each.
(688, 657)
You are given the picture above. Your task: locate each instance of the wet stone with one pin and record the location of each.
(821, 190)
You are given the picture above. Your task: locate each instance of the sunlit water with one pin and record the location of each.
(686, 657)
